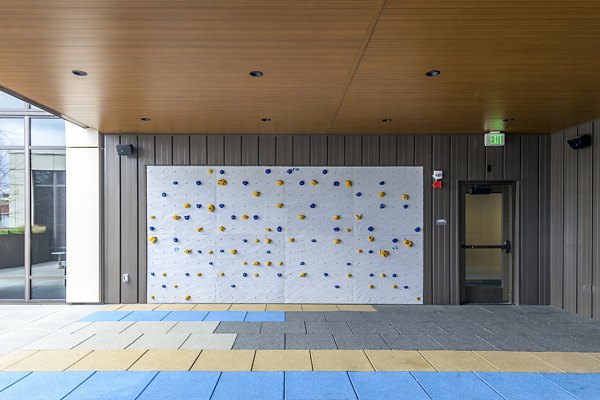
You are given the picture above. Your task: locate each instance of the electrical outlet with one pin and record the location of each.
(125, 278)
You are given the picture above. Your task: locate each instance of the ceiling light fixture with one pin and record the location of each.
(386, 120)
(146, 119)
(256, 74)
(265, 119)
(78, 72)
(508, 119)
(433, 72)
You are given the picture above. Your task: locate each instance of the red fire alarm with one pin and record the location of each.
(436, 184)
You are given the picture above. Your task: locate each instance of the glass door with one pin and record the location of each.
(486, 246)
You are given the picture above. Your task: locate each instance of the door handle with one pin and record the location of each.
(506, 246)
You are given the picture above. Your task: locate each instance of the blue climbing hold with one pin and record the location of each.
(371, 275)
(268, 251)
(301, 262)
(405, 286)
(312, 205)
(221, 205)
(164, 286)
(163, 194)
(232, 286)
(186, 217)
(279, 275)
(245, 183)
(175, 182)
(382, 206)
(337, 286)
(152, 273)
(394, 275)
(211, 263)
(405, 206)
(221, 172)
(244, 274)
(336, 183)
(394, 240)
(325, 274)
(255, 217)
(336, 229)
(313, 240)
(279, 229)
(370, 229)
(198, 205)
(301, 183)
(187, 274)
(417, 229)
(348, 263)
(199, 251)
(233, 217)
(324, 172)
(289, 171)
(245, 240)
(267, 171)
(358, 194)
(370, 251)
(221, 251)
(152, 228)
(175, 240)
(198, 183)
(382, 183)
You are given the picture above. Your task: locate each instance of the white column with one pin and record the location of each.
(83, 215)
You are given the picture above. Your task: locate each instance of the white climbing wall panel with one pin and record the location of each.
(285, 234)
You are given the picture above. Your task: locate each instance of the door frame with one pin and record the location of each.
(511, 274)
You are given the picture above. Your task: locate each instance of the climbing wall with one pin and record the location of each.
(285, 234)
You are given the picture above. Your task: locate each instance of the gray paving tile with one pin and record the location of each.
(238, 327)
(283, 327)
(512, 343)
(416, 328)
(385, 316)
(253, 341)
(344, 316)
(195, 327)
(360, 342)
(209, 341)
(371, 327)
(109, 341)
(456, 328)
(304, 316)
(159, 341)
(563, 343)
(425, 317)
(316, 341)
(462, 342)
(411, 342)
(328, 327)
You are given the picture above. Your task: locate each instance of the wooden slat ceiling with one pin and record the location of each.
(331, 66)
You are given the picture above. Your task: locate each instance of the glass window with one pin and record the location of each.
(12, 289)
(48, 289)
(48, 212)
(10, 103)
(12, 213)
(12, 131)
(47, 132)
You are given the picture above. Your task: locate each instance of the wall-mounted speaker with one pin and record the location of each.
(125, 149)
(580, 142)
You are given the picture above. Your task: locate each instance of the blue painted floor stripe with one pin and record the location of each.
(186, 316)
(226, 316)
(524, 386)
(249, 386)
(387, 385)
(101, 316)
(318, 386)
(181, 386)
(582, 386)
(455, 386)
(44, 386)
(112, 385)
(146, 316)
(9, 378)
(265, 316)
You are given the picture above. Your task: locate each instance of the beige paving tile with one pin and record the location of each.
(14, 357)
(210, 341)
(398, 360)
(571, 362)
(195, 327)
(319, 307)
(175, 307)
(594, 355)
(247, 307)
(166, 360)
(340, 360)
(224, 360)
(516, 361)
(284, 307)
(138, 307)
(355, 307)
(49, 360)
(447, 360)
(282, 360)
(111, 307)
(150, 327)
(211, 307)
(109, 341)
(107, 360)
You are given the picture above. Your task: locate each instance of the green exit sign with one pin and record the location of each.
(494, 139)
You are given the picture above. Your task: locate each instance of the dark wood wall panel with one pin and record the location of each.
(556, 221)
(584, 225)
(544, 220)
(494, 163)
(570, 224)
(596, 221)
(125, 193)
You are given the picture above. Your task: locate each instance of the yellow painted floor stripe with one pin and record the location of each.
(299, 360)
(247, 307)
(239, 307)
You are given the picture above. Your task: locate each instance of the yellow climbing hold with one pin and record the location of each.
(255, 263)
(175, 286)
(348, 230)
(313, 182)
(198, 273)
(244, 216)
(291, 239)
(210, 171)
(256, 241)
(210, 252)
(358, 216)
(211, 208)
(199, 229)
(382, 275)
(268, 263)
(221, 273)
(335, 217)
(233, 251)
(152, 239)
(186, 205)
(336, 241)
(187, 251)
(152, 297)
(256, 275)
(244, 262)
(371, 238)
(302, 275)
(418, 298)
(279, 182)
(164, 274)
(359, 251)
(176, 217)
(279, 205)
(348, 184)
(221, 228)
(187, 297)
(407, 243)
(380, 194)
(405, 197)
(256, 194)
(280, 263)
(384, 253)
(348, 275)
(300, 217)
(267, 240)
(370, 286)
(222, 182)
(394, 286)
(152, 217)
(268, 229)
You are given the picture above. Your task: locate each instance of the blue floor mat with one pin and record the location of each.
(523, 386)
(455, 386)
(318, 386)
(265, 316)
(112, 385)
(225, 316)
(387, 385)
(44, 386)
(186, 316)
(9, 378)
(181, 385)
(146, 316)
(583, 386)
(103, 316)
(249, 386)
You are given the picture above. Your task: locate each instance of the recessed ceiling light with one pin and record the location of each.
(78, 72)
(386, 120)
(433, 72)
(508, 119)
(146, 119)
(265, 119)
(256, 74)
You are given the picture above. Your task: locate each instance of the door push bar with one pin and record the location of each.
(506, 246)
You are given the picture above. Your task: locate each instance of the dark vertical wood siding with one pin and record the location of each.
(461, 158)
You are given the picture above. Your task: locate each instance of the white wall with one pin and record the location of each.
(83, 215)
